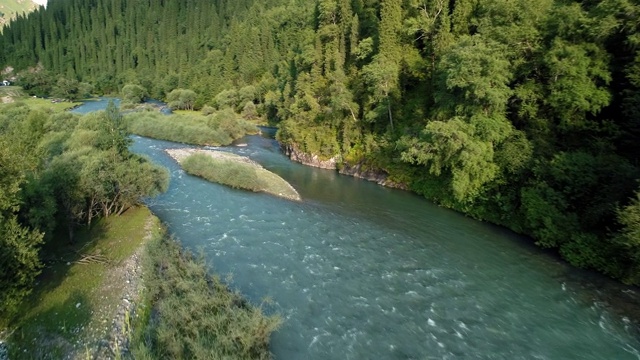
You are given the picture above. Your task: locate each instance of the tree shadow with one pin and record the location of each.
(58, 255)
(52, 333)
(58, 258)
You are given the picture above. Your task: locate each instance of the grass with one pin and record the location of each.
(74, 302)
(12, 91)
(234, 171)
(193, 315)
(184, 312)
(11, 8)
(192, 128)
(16, 94)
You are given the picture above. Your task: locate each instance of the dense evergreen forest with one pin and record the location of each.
(524, 113)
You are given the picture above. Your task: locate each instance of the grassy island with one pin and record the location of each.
(86, 272)
(232, 170)
(213, 130)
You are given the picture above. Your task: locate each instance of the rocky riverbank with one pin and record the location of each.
(359, 170)
(308, 159)
(376, 175)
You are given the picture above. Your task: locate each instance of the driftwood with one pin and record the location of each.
(93, 259)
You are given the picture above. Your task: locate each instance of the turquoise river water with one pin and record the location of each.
(359, 271)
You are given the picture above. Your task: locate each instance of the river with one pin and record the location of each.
(359, 271)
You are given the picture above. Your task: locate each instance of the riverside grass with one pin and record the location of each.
(217, 129)
(73, 300)
(191, 314)
(184, 312)
(235, 171)
(15, 94)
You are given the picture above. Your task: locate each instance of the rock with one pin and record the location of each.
(78, 305)
(309, 159)
(376, 175)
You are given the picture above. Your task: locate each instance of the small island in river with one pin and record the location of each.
(233, 170)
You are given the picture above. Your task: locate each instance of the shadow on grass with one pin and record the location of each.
(52, 332)
(58, 254)
(48, 316)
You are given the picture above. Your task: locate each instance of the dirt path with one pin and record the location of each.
(126, 280)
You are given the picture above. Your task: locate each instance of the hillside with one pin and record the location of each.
(9, 9)
(522, 113)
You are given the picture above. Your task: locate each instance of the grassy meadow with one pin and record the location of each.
(12, 94)
(9, 9)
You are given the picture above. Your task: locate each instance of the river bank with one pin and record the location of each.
(358, 170)
(86, 292)
(106, 302)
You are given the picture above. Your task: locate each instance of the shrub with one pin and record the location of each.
(195, 315)
(181, 99)
(133, 94)
(189, 129)
(208, 110)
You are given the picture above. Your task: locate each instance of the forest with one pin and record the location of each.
(523, 113)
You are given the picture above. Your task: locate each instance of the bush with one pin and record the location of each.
(208, 110)
(195, 315)
(133, 94)
(181, 99)
(189, 129)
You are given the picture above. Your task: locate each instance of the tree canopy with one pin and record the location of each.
(522, 113)
(60, 171)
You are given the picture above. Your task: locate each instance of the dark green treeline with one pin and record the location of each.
(524, 113)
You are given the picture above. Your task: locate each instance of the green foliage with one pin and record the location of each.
(249, 111)
(195, 315)
(19, 264)
(37, 83)
(19, 245)
(452, 149)
(578, 75)
(629, 238)
(133, 94)
(226, 98)
(473, 77)
(238, 173)
(181, 99)
(71, 90)
(220, 128)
